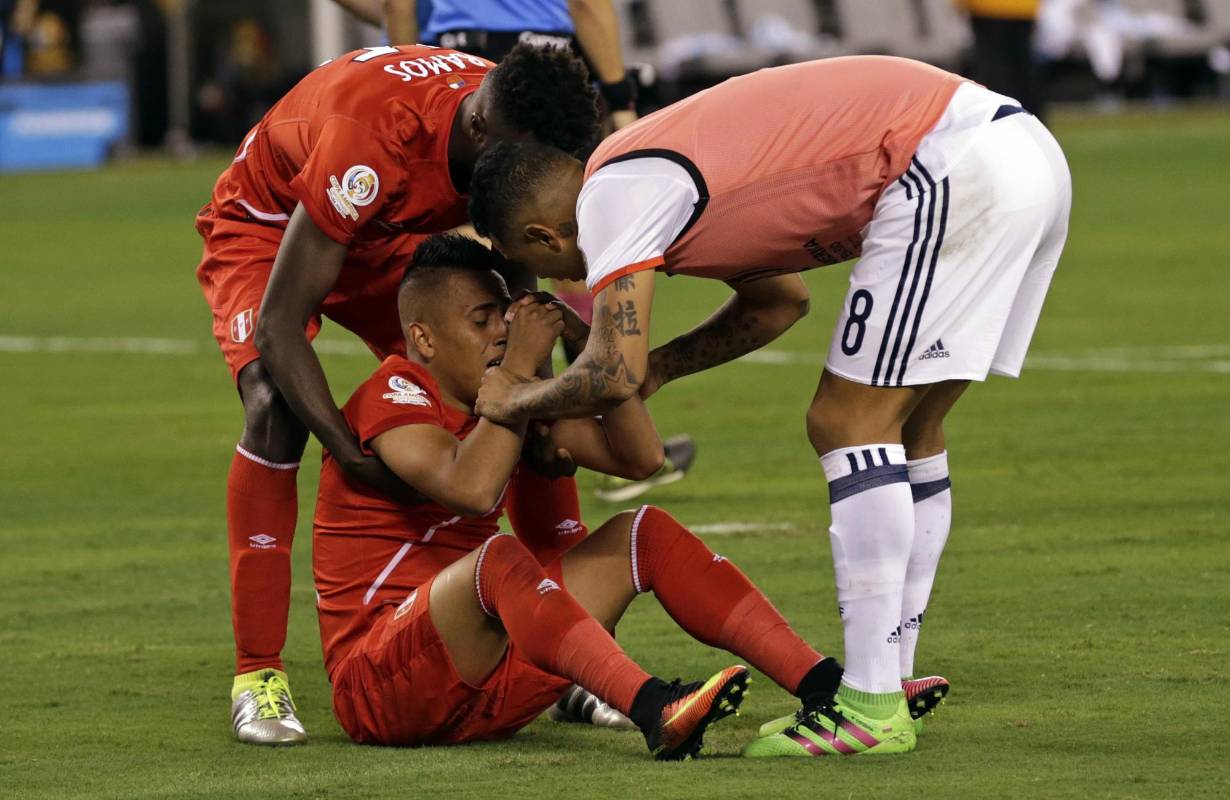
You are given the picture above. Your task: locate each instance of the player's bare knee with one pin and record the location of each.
(827, 426)
(619, 527)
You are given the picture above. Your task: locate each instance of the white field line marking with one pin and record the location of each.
(720, 528)
(78, 344)
(1213, 358)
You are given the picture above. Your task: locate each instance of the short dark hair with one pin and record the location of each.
(504, 179)
(440, 256)
(547, 92)
(452, 251)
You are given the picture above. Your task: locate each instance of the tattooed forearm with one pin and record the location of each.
(599, 380)
(624, 319)
(734, 330)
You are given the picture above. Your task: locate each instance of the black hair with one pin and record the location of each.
(436, 259)
(453, 251)
(504, 179)
(546, 92)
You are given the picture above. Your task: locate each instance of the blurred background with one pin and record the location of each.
(85, 80)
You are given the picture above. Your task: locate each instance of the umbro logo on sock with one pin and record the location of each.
(262, 541)
(568, 526)
(936, 350)
(895, 636)
(547, 585)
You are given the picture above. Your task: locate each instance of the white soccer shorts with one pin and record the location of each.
(959, 255)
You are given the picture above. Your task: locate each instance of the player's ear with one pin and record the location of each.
(542, 236)
(477, 126)
(419, 337)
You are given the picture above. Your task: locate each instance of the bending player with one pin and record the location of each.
(438, 630)
(957, 202)
(317, 215)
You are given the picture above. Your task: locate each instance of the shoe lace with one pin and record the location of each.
(273, 698)
(815, 710)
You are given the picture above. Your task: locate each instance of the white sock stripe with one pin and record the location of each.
(636, 573)
(478, 569)
(846, 461)
(264, 462)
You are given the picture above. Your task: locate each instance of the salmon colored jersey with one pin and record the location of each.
(362, 143)
(369, 552)
(776, 171)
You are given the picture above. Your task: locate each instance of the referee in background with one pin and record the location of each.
(491, 28)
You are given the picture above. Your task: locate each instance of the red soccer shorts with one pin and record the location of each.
(398, 686)
(234, 272)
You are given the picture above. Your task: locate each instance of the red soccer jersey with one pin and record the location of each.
(369, 552)
(362, 143)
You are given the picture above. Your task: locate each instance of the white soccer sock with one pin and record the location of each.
(873, 527)
(932, 520)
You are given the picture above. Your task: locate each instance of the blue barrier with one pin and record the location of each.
(63, 126)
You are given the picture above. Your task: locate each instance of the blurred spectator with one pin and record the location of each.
(1104, 29)
(245, 82)
(49, 52)
(110, 34)
(1003, 49)
(17, 19)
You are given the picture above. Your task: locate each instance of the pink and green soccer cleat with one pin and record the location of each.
(922, 695)
(835, 729)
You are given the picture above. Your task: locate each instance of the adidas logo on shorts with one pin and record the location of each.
(935, 351)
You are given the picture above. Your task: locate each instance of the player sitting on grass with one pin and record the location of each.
(436, 628)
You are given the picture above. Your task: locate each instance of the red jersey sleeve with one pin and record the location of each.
(351, 176)
(394, 396)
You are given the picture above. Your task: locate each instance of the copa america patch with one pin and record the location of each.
(406, 393)
(359, 186)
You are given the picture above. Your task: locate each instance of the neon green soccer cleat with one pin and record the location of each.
(922, 695)
(834, 729)
(262, 710)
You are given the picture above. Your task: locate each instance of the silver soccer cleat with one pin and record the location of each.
(265, 714)
(578, 705)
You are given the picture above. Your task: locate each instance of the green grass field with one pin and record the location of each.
(1081, 610)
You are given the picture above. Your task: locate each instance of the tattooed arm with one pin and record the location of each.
(608, 371)
(757, 313)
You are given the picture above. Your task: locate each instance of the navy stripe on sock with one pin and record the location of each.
(922, 302)
(857, 482)
(905, 272)
(922, 491)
